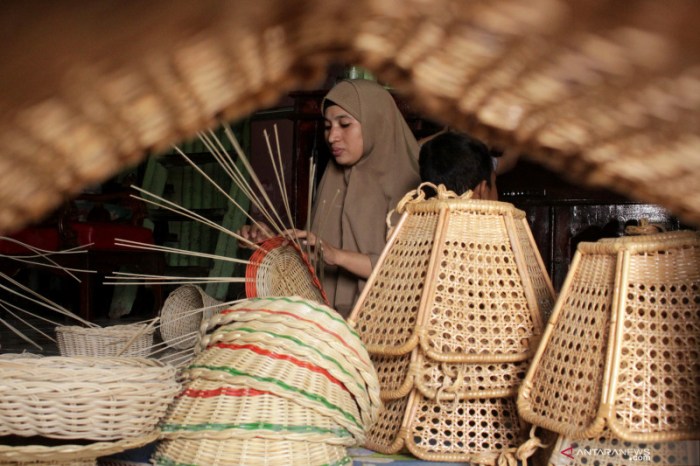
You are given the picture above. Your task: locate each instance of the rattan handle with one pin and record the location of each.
(418, 195)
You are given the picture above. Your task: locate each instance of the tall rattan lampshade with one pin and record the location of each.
(451, 317)
(621, 354)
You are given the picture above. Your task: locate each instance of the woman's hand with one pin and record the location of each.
(354, 262)
(308, 238)
(255, 234)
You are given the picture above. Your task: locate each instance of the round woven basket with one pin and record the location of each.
(279, 268)
(222, 411)
(115, 340)
(254, 451)
(182, 315)
(84, 398)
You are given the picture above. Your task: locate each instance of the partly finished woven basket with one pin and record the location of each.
(276, 381)
(82, 398)
(279, 268)
(451, 316)
(620, 352)
(114, 340)
(182, 315)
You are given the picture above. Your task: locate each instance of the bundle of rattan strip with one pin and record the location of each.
(451, 316)
(619, 357)
(277, 380)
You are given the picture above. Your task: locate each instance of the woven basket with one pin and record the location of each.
(222, 411)
(258, 452)
(182, 314)
(50, 463)
(279, 268)
(115, 340)
(620, 350)
(451, 316)
(71, 453)
(84, 398)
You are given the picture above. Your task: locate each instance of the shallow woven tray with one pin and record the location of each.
(221, 411)
(182, 314)
(265, 369)
(115, 340)
(84, 398)
(73, 452)
(620, 350)
(279, 268)
(462, 278)
(252, 452)
(342, 365)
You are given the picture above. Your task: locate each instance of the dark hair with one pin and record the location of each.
(456, 160)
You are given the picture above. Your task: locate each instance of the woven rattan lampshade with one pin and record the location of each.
(621, 350)
(451, 316)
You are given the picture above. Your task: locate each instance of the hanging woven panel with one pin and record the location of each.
(621, 349)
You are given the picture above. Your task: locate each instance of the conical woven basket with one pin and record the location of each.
(621, 349)
(451, 316)
(182, 314)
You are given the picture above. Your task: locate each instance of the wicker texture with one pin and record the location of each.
(115, 340)
(182, 315)
(51, 463)
(275, 380)
(600, 91)
(84, 398)
(279, 268)
(620, 350)
(461, 342)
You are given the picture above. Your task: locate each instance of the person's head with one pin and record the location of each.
(361, 116)
(459, 162)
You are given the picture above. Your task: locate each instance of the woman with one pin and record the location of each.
(375, 162)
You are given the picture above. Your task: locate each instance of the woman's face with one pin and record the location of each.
(344, 136)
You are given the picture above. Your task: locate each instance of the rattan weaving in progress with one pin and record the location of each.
(620, 350)
(451, 316)
(275, 381)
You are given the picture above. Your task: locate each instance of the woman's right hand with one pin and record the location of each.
(256, 234)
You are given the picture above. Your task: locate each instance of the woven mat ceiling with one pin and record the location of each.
(606, 92)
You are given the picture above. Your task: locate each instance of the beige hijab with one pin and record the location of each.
(365, 192)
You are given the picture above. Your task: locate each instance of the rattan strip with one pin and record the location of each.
(182, 314)
(318, 319)
(479, 311)
(563, 390)
(544, 291)
(656, 380)
(449, 381)
(386, 314)
(253, 452)
(466, 205)
(610, 451)
(288, 377)
(386, 435)
(73, 452)
(280, 268)
(221, 411)
(289, 341)
(473, 430)
(394, 372)
(109, 341)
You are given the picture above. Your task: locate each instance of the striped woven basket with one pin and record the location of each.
(620, 351)
(279, 268)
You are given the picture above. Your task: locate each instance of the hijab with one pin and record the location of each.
(364, 193)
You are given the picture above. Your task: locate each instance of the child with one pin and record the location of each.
(459, 162)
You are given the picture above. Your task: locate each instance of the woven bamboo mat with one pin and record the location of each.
(605, 92)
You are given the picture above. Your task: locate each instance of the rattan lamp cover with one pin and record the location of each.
(451, 316)
(620, 352)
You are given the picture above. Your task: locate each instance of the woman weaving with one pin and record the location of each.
(375, 162)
